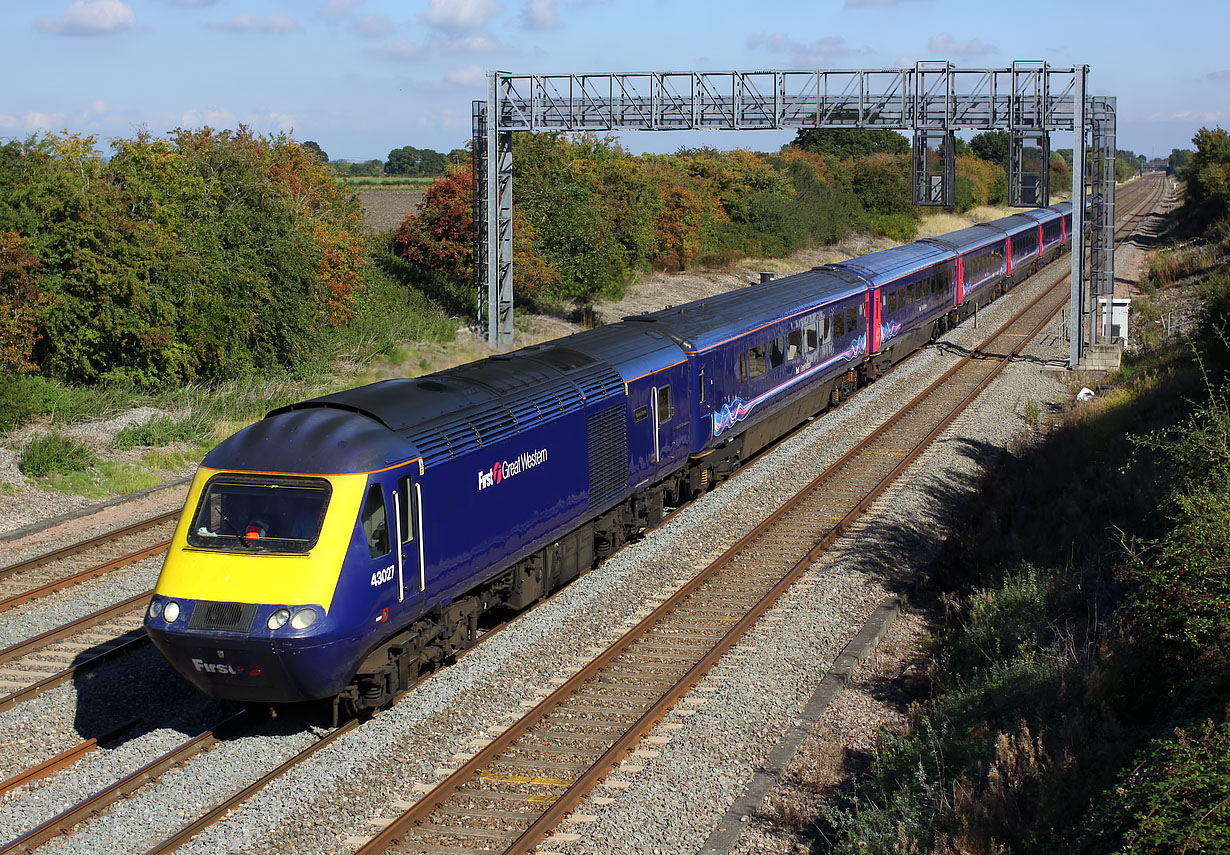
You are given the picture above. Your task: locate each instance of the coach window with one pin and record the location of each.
(839, 325)
(742, 367)
(664, 405)
(755, 361)
(828, 330)
(375, 523)
(813, 338)
(851, 320)
(794, 344)
(777, 352)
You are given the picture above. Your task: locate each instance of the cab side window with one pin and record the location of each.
(375, 522)
(405, 503)
(664, 404)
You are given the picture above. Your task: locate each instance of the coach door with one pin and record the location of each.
(960, 280)
(408, 532)
(873, 322)
(661, 411)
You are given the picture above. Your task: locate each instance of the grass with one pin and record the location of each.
(55, 454)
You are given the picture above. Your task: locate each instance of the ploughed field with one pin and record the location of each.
(384, 209)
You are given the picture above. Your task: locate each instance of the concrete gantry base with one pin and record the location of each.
(1103, 357)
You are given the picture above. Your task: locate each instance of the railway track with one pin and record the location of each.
(512, 794)
(54, 571)
(511, 799)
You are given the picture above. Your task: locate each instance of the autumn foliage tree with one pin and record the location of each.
(21, 303)
(200, 256)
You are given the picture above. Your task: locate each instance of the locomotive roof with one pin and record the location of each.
(967, 240)
(705, 323)
(316, 441)
(1016, 223)
(887, 265)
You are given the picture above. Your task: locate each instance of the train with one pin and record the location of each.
(341, 546)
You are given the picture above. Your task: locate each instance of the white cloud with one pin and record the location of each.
(36, 121)
(214, 117)
(268, 25)
(470, 75)
(944, 45)
(815, 54)
(477, 43)
(402, 49)
(540, 15)
(460, 15)
(373, 26)
(89, 18)
(333, 10)
(280, 121)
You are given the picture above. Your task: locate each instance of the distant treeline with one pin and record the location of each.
(406, 161)
(589, 216)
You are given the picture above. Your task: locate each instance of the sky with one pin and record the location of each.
(362, 77)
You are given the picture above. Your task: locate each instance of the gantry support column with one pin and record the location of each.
(499, 241)
(1076, 305)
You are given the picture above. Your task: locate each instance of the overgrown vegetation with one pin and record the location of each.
(1083, 672)
(201, 257)
(590, 216)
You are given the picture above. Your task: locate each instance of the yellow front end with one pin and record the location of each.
(250, 576)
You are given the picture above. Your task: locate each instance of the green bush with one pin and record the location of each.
(1174, 798)
(52, 453)
(163, 430)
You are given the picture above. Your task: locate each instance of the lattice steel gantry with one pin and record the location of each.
(932, 99)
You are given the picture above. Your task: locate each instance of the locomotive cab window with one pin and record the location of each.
(375, 522)
(260, 514)
(839, 325)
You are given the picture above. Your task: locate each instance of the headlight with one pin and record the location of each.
(171, 611)
(155, 608)
(278, 619)
(304, 618)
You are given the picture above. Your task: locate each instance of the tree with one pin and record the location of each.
(21, 303)
(315, 149)
(992, 146)
(1208, 173)
(409, 160)
(1180, 158)
(845, 143)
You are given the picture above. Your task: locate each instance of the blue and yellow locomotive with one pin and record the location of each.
(340, 546)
